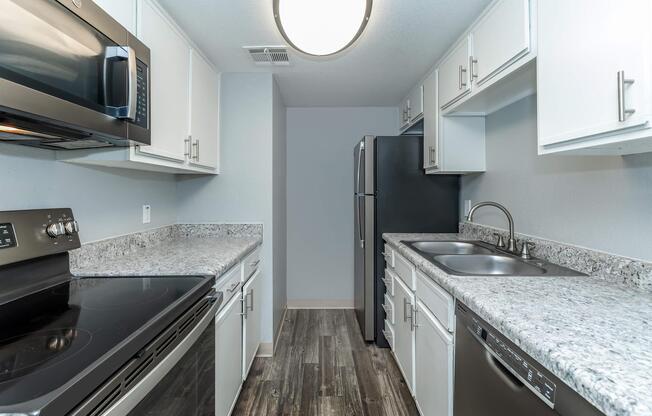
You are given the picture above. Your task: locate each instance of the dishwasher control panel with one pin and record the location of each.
(525, 371)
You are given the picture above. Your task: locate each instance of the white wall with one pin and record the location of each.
(602, 203)
(106, 202)
(243, 190)
(279, 168)
(320, 145)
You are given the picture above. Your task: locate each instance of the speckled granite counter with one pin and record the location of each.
(594, 334)
(176, 250)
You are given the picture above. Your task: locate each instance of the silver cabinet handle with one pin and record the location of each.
(196, 147)
(472, 66)
(405, 311)
(188, 143)
(254, 264)
(623, 111)
(251, 307)
(409, 111)
(413, 319)
(462, 72)
(243, 300)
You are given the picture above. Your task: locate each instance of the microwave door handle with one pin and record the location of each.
(133, 84)
(122, 53)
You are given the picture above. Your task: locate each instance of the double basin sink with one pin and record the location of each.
(476, 258)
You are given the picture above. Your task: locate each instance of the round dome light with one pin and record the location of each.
(321, 27)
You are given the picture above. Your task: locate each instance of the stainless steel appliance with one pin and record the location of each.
(71, 77)
(97, 346)
(493, 377)
(392, 194)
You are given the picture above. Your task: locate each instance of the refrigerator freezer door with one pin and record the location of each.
(364, 265)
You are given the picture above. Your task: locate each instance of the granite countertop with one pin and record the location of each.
(593, 334)
(178, 256)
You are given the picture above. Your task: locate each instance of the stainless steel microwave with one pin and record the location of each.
(71, 77)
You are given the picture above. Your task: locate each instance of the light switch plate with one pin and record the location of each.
(147, 214)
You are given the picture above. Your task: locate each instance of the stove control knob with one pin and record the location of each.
(71, 227)
(55, 230)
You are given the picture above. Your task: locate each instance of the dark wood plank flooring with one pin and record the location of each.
(322, 366)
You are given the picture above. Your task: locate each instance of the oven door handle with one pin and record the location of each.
(122, 53)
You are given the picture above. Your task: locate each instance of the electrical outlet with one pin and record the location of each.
(467, 207)
(147, 214)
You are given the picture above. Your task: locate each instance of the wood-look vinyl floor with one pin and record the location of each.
(322, 366)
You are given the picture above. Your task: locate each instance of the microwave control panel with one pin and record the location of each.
(142, 102)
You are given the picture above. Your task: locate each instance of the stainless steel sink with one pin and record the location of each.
(449, 247)
(477, 258)
(488, 264)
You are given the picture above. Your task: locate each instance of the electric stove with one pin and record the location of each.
(63, 338)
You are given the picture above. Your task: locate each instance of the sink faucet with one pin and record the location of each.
(511, 243)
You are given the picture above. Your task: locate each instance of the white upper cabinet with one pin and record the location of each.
(594, 76)
(430, 122)
(123, 11)
(500, 38)
(203, 128)
(454, 74)
(169, 78)
(415, 103)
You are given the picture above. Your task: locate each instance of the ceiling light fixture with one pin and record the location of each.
(321, 27)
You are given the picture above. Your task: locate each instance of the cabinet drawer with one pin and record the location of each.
(229, 284)
(405, 270)
(389, 334)
(388, 253)
(437, 300)
(388, 306)
(250, 264)
(388, 280)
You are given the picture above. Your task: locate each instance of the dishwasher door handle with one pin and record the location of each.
(504, 373)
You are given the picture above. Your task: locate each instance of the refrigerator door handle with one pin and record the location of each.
(357, 208)
(357, 181)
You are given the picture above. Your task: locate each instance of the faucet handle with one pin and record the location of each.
(525, 250)
(501, 242)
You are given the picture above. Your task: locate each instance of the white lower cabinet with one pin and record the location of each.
(434, 365)
(404, 340)
(228, 357)
(251, 296)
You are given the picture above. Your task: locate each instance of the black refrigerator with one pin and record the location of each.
(392, 194)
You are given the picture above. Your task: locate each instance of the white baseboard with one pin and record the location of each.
(265, 349)
(320, 304)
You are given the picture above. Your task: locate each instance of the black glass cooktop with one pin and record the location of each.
(58, 335)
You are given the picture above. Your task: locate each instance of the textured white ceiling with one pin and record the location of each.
(402, 41)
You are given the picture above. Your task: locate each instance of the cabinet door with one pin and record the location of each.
(582, 46)
(430, 122)
(403, 113)
(204, 98)
(123, 11)
(434, 365)
(404, 332)
(251, 293)
(454, 75)
(170, 71)
(228, 356)
(415, 103)
(500, 38)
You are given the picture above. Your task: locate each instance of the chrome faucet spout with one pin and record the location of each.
(511, 243)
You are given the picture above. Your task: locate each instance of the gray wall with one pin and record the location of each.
(106, 202)
(602, 203)
(243, 190)
(320, 145)
(279, 168)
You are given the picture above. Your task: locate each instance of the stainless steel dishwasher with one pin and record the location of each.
(493, 377)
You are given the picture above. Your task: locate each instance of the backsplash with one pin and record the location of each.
(595, 263)
(98, 251)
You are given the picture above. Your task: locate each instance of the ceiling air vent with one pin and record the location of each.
(269, 55)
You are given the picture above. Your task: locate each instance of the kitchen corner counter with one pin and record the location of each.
(593, 334)
(180, 250)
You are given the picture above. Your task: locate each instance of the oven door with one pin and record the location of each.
(70, 66)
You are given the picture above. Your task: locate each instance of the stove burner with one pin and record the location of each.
(127, 300)
(24, 354)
